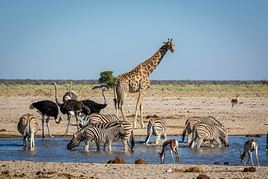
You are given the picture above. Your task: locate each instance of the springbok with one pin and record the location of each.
(249, 147)
(171, 145)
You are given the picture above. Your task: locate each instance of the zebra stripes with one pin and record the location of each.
(94, 118)
(190, 122)
(157, 128)
(203, 132)
(27, 127)
(106, 121)
(90, 133)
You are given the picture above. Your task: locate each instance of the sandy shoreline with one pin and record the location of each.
(28, 169)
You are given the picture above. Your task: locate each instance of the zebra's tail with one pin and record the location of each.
(132, 142)
(183, 133)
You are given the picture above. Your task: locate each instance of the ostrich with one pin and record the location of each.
(71, 108)
(92, 105)
(47, 109)
(69, 94)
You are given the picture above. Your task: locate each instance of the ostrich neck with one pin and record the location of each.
(56, 95)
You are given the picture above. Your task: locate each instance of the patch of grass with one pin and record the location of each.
(181, 90)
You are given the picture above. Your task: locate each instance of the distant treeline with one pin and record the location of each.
(159, 82)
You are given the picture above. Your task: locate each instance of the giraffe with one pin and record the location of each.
(137, 81)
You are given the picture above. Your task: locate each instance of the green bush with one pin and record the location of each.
(107, 78)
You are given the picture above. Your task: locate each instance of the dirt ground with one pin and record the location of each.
(246, 118)
(249, 117)
(27, 169)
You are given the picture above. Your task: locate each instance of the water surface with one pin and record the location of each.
(54, 150)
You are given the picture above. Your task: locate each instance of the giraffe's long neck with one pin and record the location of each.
(154, 61)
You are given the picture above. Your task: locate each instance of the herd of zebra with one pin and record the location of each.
(92, 126)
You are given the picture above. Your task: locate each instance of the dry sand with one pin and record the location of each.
(27, 169)
(248, 117)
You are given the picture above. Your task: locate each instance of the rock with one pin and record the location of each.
(202, 176)
(117, 160)
(250, 169)
(38, 173)
(226, 163)
(140, 161)
(192, 169)
(169, 170)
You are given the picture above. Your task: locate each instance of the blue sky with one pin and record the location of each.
(63, 39)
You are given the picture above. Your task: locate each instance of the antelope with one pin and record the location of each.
(234, 101)
(173, 146)
(249, 147)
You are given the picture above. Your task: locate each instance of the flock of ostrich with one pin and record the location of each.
(92, 126)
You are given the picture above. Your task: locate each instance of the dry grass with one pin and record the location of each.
(179, 90)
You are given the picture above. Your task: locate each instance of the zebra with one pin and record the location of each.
(90, 133)
(191, 121)
(83, 119)
(157, 128)
(27, 127)
(106, 121)
(203, 132)
(249, 147)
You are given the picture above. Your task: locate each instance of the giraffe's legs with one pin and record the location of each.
(121, 96)
(141, 112)
(137, 107)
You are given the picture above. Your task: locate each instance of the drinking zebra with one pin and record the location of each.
(27, 127)
(191, 121)
(90, 133)
(249, 147)
(105, 121)
(203, 132)
(157, 128)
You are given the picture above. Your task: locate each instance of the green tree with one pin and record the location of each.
(107, 78)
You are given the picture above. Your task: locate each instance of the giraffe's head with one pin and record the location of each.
(169, 44)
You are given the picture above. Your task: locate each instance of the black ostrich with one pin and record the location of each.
(92, 105)
(47, 109)
(71, 108)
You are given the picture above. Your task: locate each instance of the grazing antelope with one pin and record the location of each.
(27, 127)
(249, 147)
(173, 146)
(234, 101)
